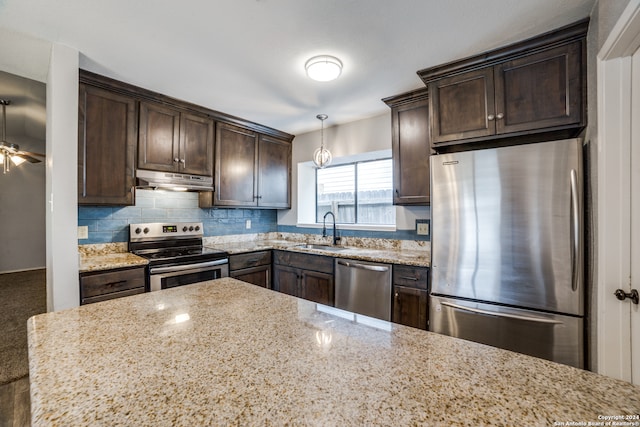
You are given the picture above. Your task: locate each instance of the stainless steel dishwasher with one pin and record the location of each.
(363, 287)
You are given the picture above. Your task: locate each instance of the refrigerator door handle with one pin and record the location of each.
(509, 315)
(575, 230)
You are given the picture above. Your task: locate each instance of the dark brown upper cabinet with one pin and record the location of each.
(535, 87)
(118, 120)
(274, 172)
(107, 135)
(251, 170)
(410, 147)
(171, 140)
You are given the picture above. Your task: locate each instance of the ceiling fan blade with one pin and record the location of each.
(26, 157)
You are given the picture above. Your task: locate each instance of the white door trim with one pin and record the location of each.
(614, 191)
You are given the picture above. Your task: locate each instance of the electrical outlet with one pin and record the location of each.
(422, 227)
(83, 232)
(247, 224)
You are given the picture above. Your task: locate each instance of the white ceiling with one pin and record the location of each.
(246, 57)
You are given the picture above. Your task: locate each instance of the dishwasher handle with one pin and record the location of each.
(363, 266)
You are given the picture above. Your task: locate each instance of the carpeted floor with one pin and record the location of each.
(22, 295)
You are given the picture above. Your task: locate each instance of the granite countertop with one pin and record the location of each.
(387, 255)
(109, 261)
(227, 352)
(112, 256)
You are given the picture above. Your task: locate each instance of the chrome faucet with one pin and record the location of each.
(336, 239)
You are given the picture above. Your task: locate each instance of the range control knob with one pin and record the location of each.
(138, 230)
(184, 229)
(146, 230)
(197, 228)
(191, 228)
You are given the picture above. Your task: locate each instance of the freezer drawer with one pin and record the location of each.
(545, 335)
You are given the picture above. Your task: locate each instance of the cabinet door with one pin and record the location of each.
(274, 173)
(107, 131)
(285, 279)
(236, 164)
(410, 307)
(543, 90)
(158, 145)
(260, 276)
(317, 287)
(462, 106)
(411, 151)
(196, 144)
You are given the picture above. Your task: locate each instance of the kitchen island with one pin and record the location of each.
(227, 352)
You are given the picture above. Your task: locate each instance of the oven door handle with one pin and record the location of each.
(160, 270)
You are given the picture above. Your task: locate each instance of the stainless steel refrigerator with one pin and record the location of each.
(506, 249)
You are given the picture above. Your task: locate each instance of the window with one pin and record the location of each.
(357, 193)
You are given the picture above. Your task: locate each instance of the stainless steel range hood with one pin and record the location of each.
(173, 181)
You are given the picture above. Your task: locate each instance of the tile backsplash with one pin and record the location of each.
(110, 224)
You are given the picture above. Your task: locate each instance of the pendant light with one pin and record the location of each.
(322, 157)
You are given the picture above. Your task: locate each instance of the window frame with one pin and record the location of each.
(355, 224)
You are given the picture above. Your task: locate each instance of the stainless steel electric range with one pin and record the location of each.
(176, 254)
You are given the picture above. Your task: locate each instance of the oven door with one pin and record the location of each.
(179, 275)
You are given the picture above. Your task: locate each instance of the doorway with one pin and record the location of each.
(619, 197)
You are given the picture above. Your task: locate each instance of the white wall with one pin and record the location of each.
(22, 205)
(363, 136)
(57, 66)
(63, 289)
(22, 191)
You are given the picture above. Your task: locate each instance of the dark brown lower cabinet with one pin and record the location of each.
(105, 285)
(410, 306)
(410, 296)
(253, 267)
(259, 276)
(305, 276)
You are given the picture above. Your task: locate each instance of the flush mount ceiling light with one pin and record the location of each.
(323, 68)
(322, 157)
(11, 152)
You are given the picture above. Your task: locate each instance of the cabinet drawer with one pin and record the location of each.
(252, 259)
(323, 264)
(415, 277)
(112, 295)
(93, 285)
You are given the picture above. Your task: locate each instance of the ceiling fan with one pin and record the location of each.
(9, 152)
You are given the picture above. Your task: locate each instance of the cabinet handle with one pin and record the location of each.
(409, 278)
(499, 116)
(490, 117)
(396, 295)
(176, 160)
(182, 161)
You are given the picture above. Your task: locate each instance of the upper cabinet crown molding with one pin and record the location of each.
(142, 94)
(534, 90)
(551, 39)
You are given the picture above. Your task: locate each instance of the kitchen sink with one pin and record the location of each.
(321, 247)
